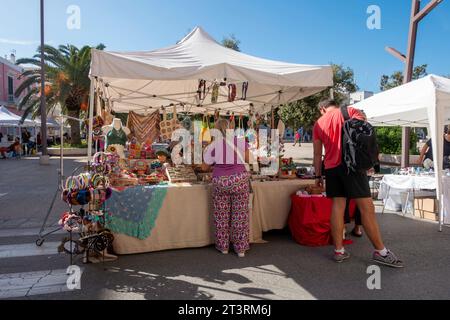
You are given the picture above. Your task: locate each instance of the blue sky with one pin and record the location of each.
(300, 31)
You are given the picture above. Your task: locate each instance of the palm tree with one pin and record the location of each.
(67, 83)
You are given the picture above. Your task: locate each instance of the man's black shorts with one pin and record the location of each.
(340, 184)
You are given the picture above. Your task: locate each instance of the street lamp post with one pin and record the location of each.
(416, 16)
(44, 157)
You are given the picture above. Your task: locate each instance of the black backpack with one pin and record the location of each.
(359, 144)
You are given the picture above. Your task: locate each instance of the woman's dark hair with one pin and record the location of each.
(328, 103)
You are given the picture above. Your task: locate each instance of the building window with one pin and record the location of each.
(10, 89)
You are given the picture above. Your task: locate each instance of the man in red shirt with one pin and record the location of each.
(340, 184)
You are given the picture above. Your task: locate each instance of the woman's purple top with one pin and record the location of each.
(226, 160)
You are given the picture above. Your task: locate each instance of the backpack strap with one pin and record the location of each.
(344, 112)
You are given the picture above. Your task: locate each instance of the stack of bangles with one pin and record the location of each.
(98, 180)
(84, 179)
(72, 183)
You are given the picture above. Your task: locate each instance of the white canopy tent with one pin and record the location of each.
(9, 119)
(139, 81)
(144, 81)
(420, 103)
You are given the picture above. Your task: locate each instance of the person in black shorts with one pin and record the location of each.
(342, 184)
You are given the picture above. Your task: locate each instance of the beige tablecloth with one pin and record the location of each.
(185, 218)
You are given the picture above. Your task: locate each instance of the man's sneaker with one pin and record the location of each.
(389, 260)
(340, 257)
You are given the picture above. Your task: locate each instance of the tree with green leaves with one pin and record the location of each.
(67, 83)
(231, 42)
(396, 79)
(305, 112)
(390, 138)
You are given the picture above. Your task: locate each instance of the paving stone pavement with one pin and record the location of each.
(278, 269)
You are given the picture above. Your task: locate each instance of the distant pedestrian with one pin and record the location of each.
(301, 132)
(307, 137)
(297, 139)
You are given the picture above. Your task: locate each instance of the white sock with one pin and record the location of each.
(383, 252)
(342, 251)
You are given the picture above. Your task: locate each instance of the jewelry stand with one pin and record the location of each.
(59, 189)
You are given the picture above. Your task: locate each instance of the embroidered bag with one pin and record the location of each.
(169, 126)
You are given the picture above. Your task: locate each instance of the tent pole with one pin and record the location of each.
(61, 150)
(35, 139)
(91, 119)
(272, 120)
(20, 139)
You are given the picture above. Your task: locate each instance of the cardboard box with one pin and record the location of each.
(426, 209)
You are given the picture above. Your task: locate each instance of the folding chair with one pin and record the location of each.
(375, 185)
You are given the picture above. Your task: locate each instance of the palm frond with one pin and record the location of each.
(26, 84)
(32, 61)
(28, 97)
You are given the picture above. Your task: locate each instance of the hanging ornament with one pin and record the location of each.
(244, 90)
(231, 92)
(215, 93)
(216, 115)
(232, 122)
(201, 92)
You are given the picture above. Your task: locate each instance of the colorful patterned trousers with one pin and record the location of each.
(231, 212)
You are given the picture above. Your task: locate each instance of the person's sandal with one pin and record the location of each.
(357, 235)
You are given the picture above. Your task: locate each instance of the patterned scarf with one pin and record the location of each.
(133, 211)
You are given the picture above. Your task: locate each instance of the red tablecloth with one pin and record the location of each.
(309, 220)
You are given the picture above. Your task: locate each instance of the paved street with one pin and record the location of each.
(279, 269)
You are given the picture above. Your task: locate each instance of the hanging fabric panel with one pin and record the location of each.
(144, 128)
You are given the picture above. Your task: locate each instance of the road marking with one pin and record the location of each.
(17, 285)
(3, 194)
(28, 250)
(5, 233)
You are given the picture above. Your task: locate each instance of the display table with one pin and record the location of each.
(394, 190)
(185, 217)
(272, 203)
(310, 219)
(183, 221)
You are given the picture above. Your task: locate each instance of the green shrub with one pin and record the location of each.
(82, 145)
(390, 140)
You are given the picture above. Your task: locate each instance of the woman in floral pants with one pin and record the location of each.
(230, 193)
(231, 216)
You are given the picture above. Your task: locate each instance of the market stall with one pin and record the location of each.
(420, 103)
(13, 124)
(157, 204)
(183, 223)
